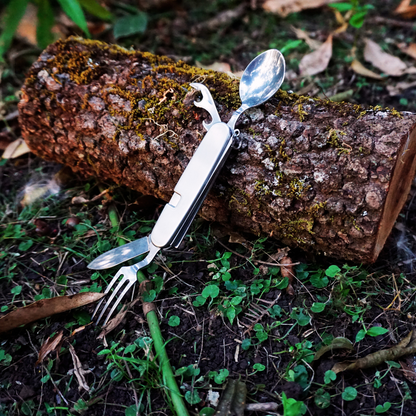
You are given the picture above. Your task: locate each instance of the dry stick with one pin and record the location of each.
(158, 342)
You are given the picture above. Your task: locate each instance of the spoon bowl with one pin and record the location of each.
(260, 81)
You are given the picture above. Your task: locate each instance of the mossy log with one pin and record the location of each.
(325, 176)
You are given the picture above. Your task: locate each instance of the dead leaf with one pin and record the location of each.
(46, 307)
(49, 346)
(233, 400)
(15, 149)
(360, 69)
(406, 10)
(28, 24)
(236, 238)
(289, 272)
(409, 50)
(302, 34)
(113, 323)
(389, 64)
(35, 191)
(404, 347)
(317, 61)
(216, 66)
(409, 368)
(78, 370)
(400, 87)
(82, 200)
(336, 344)
(285, 7)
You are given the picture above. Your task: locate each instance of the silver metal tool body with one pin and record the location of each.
(261, 79)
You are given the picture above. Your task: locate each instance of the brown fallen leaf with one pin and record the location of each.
(216, 66)
(78, 370)
(404, 347)
(285, 7)
(360, 69)
(46, 307)
(113, 323)
(289, 272)
(318, 60)
(49, 346)
(15, 149)
(302, 34)
(406, 10)
(28, 24)
(389, 64)
(400, 87)
(409, 368)
(408, 49)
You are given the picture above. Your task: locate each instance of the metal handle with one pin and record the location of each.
(192, 187)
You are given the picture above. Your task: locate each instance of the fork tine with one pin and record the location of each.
(129, 285)
(115, 291)
(113, 281)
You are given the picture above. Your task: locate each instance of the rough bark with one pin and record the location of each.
(328, 177)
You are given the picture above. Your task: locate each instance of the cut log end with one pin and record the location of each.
(402, 178)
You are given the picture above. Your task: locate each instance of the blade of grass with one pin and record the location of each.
(10, 21)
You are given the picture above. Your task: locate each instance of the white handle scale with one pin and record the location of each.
(193, 186)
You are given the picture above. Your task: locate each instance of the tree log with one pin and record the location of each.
(323, 176)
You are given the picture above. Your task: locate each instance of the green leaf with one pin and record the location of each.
(16, 290)
(291, 407)
(383, 408)
(246, 344)
(259, 367)
(25, 245)
(393, 364)
(292, 44)
(131, 410)
(236, 301)
(221, 376)
(329, 376)
(44, 379)
(317, 307)
(103, 352)
(350, 393)
(319, 281)
(341, 7)
(192, 397)
(360, 335)
(300, 317)
(230, 314)
(149, 296)
(207, 411)
(283, 284)
(322, 398)
(332, 271)
(357, 20)
(82, 317)
(10, 20)
(73, 9)
(46, 20)
(130, 348)
(130, 25)
(174, 320)
(211, 290)
(199, 301)
(95, 8)
(4, 308)
(376, 331)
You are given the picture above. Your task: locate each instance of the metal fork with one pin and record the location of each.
(128, 275)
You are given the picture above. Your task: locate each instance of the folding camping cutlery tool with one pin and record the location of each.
(260, 81)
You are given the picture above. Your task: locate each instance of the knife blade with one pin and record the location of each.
(121, 254)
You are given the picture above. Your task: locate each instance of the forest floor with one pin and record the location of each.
(205, 291)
